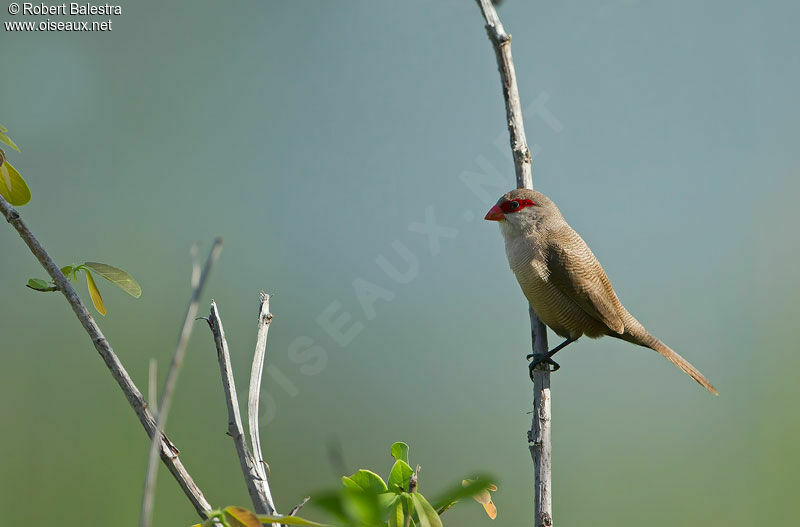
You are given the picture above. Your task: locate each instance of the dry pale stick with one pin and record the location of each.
(264, 320)
(148, 495)
(539, 434)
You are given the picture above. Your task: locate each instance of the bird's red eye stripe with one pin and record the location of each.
(515, 205)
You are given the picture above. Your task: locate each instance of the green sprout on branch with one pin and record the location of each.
(366, 500)
(116, 276)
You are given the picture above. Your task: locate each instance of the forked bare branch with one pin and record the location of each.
(257, 486)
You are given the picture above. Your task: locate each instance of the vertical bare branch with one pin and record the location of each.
(148, 496)
(539, 439)
(254, 394)
(501, 41)
(168, 451)
(539, 434)
(256, 486)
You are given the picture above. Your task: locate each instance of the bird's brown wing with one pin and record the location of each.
(575, 271)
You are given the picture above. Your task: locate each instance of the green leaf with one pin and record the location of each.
(3, 129)
(241, 517)
(400, 474)
(67, 270)
(290, 520)
(467, 489)
(425, 512)
(396, 517)
(408, 505)
(97, 300)
(365, 480)
(12, 186)
(388, 499)
(399, 451)
(40, 285)
(7, 140)
(398, 510)
(116, 276)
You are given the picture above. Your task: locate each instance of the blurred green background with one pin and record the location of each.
(312, 136)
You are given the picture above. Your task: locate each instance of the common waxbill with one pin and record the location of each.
(563, 281)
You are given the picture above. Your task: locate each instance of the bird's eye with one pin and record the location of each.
(515, 205)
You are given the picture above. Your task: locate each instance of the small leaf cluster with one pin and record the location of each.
(12, 187)
(115, 275)
(366, 500)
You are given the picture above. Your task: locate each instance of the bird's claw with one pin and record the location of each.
(537, 359)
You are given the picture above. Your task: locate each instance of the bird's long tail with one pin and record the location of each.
(681, 363)
(635, 333)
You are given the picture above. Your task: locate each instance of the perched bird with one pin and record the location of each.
(563, 281)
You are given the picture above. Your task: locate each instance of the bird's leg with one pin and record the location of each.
(547, 357)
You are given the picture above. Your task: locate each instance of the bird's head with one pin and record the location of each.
(522, 210)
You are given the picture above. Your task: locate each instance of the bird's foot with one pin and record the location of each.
(538, 359)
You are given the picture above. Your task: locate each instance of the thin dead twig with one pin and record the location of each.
(171, 381)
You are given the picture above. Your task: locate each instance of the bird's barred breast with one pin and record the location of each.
(555, 309)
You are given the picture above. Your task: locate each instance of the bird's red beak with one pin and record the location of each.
(495, 214)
